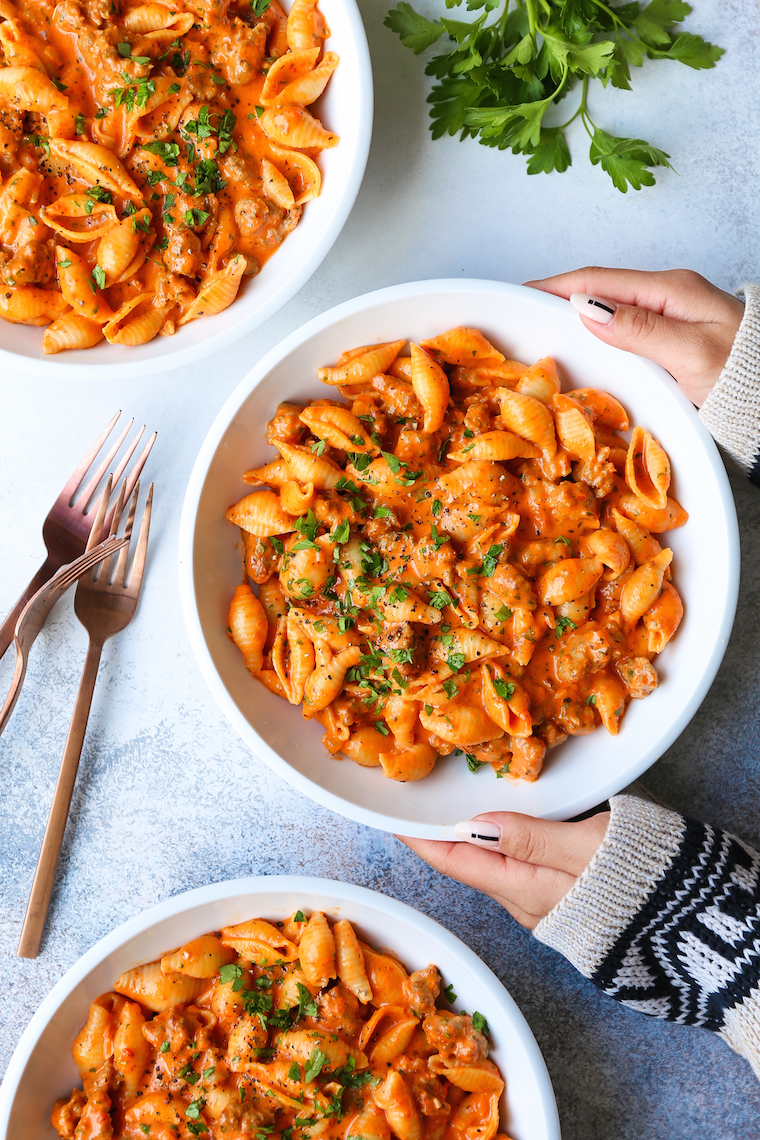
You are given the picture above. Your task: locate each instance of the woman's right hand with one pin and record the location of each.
(675, 318)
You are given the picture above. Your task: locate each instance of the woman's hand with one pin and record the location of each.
(675, 318)
(528, 864)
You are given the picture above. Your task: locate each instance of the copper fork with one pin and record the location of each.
(105, 603)
(66, 529)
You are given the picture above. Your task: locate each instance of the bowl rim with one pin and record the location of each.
(53, 368)
(583, 801)
(344, 893)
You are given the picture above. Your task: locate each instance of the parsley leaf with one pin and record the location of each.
(480, 1023)
(563, 623)
(497, 79)
(449, 994)
(314, 1065)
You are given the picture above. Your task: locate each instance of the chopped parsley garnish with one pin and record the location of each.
(314, 1065)
(449, 994)
(591, 699)
(505, 690)
(562, 624)
(503, 613)
(167, 152)
(472, 763)
(480, 1023)
(307, 524)
(456, 661)
(99, 277)
(299, 916)
(125, 51)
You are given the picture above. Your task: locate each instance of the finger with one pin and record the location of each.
(626, 286)
(566, 847)
(526, 891)
(647, 333)
(679, 294)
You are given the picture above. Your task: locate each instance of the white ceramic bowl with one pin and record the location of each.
(42, 1068)
(526, 324)
(346, 107)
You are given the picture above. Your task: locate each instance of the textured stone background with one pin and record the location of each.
(168, 799)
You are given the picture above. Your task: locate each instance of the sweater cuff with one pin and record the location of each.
(641, 843)
(731, 413)
(666, 919)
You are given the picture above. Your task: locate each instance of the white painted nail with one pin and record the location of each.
(478, 831)
(599, 309)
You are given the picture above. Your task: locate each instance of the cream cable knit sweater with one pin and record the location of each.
(666, 917)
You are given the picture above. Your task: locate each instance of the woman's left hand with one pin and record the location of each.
(525, 864)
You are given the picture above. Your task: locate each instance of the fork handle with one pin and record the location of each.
(47, 864)
(8, 628)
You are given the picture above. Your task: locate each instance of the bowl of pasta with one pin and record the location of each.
(283, 1005)
(436, 552)
(171, 175)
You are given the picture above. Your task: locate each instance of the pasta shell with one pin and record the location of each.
(568, 580)
(362, 368)
(79, 219)
(97, 164)
(247, 626)
(647, 469)
(118, 247)
(349, 961)
(396, 1039)
(573, 427)
(639, 540)
(302, 173)
(541, 380)
(289, 67)
(669, 517)
(611, 549)
(293, 658)
(370, 1124)
(528, 417)
(338, 426)
(69, 332)
(409, 764)
(397, 1102)
(157, 991)
(306, 27)
(306, 467)
(299, 1044)
(132, 1054)
(149, 18)
(476, 1076)
(260, 513)
(464, 346)
(30, 305)
(218, 291)
(271, 474)
(480, 473)
(316, 951)
(496, 446)
(511, 712)
(296, 499)
(490, 373)
(603, 408)
(143, 325)
(179, 24)
(259, 933)
(326, 682)
(29, 89)
(294, 127)
(16, 46)
(474, 645)
(276, 186)
(200, 958)
(610, 697)
(643, 587)
(476, 1117)
(431, 387)
(93, 1045)
(307, 88)
(663, 618)
(160, 114)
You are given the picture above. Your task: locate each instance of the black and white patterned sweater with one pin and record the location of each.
(666, 917)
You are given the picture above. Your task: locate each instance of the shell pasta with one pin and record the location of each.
(455, 556)
(285, 1031)
(152, 158)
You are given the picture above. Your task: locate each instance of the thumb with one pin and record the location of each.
(642, 331)
(545, 843)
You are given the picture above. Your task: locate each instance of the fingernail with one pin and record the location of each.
(599, 309)
(478, 831)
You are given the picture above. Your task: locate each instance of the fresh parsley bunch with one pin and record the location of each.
(515, 61)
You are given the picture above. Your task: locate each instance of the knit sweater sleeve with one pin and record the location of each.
(666, 919)
(731, 413)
